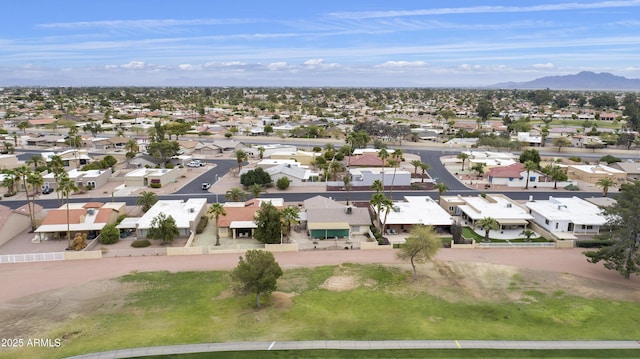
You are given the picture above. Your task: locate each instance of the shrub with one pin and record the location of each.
(140, 243)
(202, 224)
(79, 242)
(256, 176)
(109, 234)
(593, 243)
(610, 159)
(571, 187)
(169, 166)
(283, 183)
(575, 159)
(155, 185)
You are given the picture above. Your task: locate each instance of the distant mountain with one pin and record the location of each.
(585, 80)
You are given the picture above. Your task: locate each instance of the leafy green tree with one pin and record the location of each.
(478, 168)
(163, 150)
(561, 142)
(609, 159)
(530, 155)
(146, 200)
(421, 246)
(257, 273)
(556, 173)
(255, 176)
(488, 224)
(215, 211)
(268, 224)
(164, 228)
(622, 218)
(109, 234)
(485, 109)
(235, 194)
(605, 183)
(23, 125)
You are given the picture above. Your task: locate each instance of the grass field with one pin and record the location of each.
(382, 303)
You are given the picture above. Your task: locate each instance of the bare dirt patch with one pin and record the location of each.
(282, 300)
(36, 313)
(339, 283)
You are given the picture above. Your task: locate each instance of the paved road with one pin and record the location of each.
(361, 345)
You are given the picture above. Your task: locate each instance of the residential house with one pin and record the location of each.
(363, 178)
(152, 177)
(365, 160)
(298, 175)
(144, 160)
(84, 179)
(303, 157)
(186, 214)
(529, 139)
(239, 220)
(268, 150)
(509, 214)
(593, 173)
(87, 218)
(70, 157)
(516, 176)
(9, 161)
(328, 219)
(632, 169)
(568, 215)
(415, 210)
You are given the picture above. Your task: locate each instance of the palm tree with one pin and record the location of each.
(488, 224)
(377, 186)
(132, 146)
(605, 183)
(334, 168)
(23, 173)
(256, 189)
(216, 210)
(346, 179)
(261, 151)
(528, 234)
(380, 201)
(146, 200)
(383, 154)
(241, 156)
(66, 186)
(235, 194)
(289, 216)
(10, 181)
(442, 188)
(396, 156)
(529, 166)
(57, 167)
(36, 161)
(415, 164)
(464, 157)
(424, 167)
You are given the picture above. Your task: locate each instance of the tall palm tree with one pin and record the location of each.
(346, 179)
(464, 157)
(10, 181)
(256, 189)
(36, 161)
(415, 163)
(241, 156)
(132, 146)
(529, 166)
(605, 183)
(424, 167)
(380, 201)
(235, 194)
(216, 210)
(396, 159)
(442, 188)
(23, 173)
(488, 224)
(146, 200)
(289, 216)
(56, 166)
(377, 186)
(334, 168)
(66, 186)
(383, 154)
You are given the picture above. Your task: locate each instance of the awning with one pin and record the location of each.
(328, 225)
(512, 221)
(242, 224)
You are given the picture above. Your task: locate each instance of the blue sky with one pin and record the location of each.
(313, 43)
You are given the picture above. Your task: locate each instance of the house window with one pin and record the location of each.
(546, 221)
(532, 179)
(556, 225)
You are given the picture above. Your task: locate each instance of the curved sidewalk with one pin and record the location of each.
(362, 345)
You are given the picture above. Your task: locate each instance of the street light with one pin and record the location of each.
(215, 182)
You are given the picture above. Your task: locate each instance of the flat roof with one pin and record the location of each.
(418, 210)
(573, 209)
(498, 207)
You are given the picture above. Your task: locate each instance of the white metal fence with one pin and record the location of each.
(516, 245)
(31, 257)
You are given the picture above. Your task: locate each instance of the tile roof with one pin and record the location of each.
(511, 171)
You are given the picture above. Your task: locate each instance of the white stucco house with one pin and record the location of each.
(567, 214)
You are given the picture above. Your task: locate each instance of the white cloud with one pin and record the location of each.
(277, 66)
(404, 64)
(134, 65)
(548, 65)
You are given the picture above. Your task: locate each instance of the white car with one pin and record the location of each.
(196, 163)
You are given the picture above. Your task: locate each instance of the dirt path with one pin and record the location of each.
(23, 279)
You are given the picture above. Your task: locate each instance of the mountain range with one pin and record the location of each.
(585, 80)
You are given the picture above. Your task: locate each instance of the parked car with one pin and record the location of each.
(196, 163)
(47, 190)
(206, 186)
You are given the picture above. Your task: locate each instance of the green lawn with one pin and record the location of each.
(469, 233)
(199, 307)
